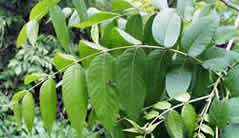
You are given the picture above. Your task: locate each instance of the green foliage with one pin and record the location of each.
(143, 61)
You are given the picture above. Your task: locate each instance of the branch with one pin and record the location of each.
(230, 6)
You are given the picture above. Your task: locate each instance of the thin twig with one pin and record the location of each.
(229, 5)
(229, 46)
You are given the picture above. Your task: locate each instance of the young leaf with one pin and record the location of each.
(48, 101)
(189, 117)
(96, 18)
(198, 35)
(28, 110)
(219, 113)
(95, 33)
(86, 49)
(152, 114)
(178, 81)
(217, 59)
(32, 31)
(120, 5)
(231, 81)
(134, 26)
(42, 8)
(184, 97)
(162, 105)
(22, 36)
(206, 129)
(59, 23)
(63, 61)
(75, 98)
(81, 9)
(158, 62)
(174, 125)
(131, 81)
(33, 77)
(166, 27)
(103, 97)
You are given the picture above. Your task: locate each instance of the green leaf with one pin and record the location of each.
(107, 27)
(217, 59)
(174, 125)
(17, 109)
(63, 61)
(81, 9)
(134, 26)
(219, 113)
(231, 81)
(178, 81)
(166, 27)
(162, 105)
(184, 97)
(120, 5)
(22, 36)
(33, 77)
(131, 81)
(87, 48)
(32, 31)
(103, 97)
(161, 4)
(96, 18)
(75, 98)
(185, 8)
(233, 104)
(148, 34)
(48, 101)
(231, 131)
(74, 19)
(206, 129)
(158, 62)
(138, 129)
(189, 117)
(28, 110)
(42, 8)
(198, 35)
(67, 11)
(152, 114)
(225, 34)
(95, 33)
(58, 20)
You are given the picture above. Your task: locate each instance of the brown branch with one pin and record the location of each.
(229, 5)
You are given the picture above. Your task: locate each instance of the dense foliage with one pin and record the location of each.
(141, 68)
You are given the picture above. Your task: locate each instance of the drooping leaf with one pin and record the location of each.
(219, 113)
(166, 27)
(95, 34)
(48, 101)
(178, 81)
(88, 48)
(63, 61)
(161, 4)
(17, 108)
(134, 26)
(59, 23)
(233, 104)
(189, 117)
(198, 35)
(120, 5)
(81, 9)
(22, 36)
(28, 110)
(32, 31)
(148, 34)
(158, 62)
(231, 131)
(42, 8)
(96, 18)
(75, 96)
(33, 77)
(225, 34)
(231, 81)
(102, 90)
(217, 59)
(131, 81)
(174, 125)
